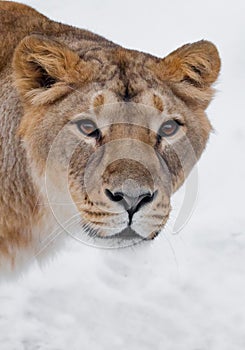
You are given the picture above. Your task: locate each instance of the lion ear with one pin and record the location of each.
(191, 70)
(44, 68)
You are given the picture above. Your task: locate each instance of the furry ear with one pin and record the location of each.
(191, 70)
(44, 68)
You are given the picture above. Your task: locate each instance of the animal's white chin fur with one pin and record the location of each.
(129, 235)
(123, 237)
(126, 234)
(120, 238)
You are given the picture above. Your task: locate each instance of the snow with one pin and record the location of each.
(183, 291)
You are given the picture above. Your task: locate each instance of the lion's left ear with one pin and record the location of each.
(191, 70)
(44, 68)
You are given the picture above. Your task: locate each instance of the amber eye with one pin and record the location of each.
(169, 128)
(88, 128)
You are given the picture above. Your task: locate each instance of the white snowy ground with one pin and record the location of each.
(184, 291)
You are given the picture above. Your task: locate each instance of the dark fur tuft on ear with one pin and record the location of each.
(191, 70)
(40, 64)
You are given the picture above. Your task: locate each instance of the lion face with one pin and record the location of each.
(113, 132)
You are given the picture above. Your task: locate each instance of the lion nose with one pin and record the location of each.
(131, 203)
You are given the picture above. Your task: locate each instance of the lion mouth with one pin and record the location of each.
(124, 238)
(127, 234)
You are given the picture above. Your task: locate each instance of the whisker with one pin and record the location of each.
(51, 239)
(75, 90)
(58, 230)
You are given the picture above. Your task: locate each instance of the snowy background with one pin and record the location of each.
(184, 291)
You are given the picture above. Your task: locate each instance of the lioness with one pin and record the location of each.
(94, 137)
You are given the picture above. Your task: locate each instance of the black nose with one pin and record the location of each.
(131, 203)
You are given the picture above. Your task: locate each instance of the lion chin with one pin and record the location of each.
(127, 235)
(123, 239)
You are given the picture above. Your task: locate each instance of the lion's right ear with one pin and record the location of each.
(44, 68)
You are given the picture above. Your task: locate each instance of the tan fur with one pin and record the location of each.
(158, 103)
(51, 74)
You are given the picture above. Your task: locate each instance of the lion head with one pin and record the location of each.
(112, 132)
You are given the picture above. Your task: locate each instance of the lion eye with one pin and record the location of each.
(88, 128)
(169, 128)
